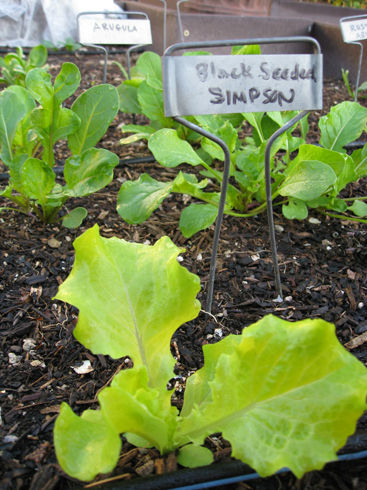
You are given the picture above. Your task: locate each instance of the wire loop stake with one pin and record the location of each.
(205, 85)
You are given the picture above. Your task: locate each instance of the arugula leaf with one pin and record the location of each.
(149, 65)
(25, 137)
(151, 102)
(342, 164)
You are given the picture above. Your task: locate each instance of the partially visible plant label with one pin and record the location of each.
(241, 83)
(93, 30)
(354, 28)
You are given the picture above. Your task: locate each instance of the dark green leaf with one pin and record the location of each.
(74, 218)
(197, 217)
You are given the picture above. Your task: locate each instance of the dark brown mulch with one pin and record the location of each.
(324, 274)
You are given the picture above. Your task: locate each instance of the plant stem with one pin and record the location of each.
(8, 208)
(217, 175)
(342, 216)
(361, 198)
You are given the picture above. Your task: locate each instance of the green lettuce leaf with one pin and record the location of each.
(131, 298)
(308, 180)
(284, 394)
(343, 124)
(170, 150)
(197, 217)
(343, 165)
(359, 208)
(295, 209)
(137, 199)
(131, 405)
(86, 445)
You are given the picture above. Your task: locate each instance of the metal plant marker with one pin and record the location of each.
(95, 31)
(354, 30)
(179, 19)
(164, 24)
(227, 84)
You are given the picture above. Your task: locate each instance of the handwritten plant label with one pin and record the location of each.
(354, 29)
(219, 84)
(94, 30)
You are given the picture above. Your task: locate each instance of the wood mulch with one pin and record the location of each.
(324, 274)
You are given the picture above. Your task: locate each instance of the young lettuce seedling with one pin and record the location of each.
(284, 394)
(304, 175)
(33, 120)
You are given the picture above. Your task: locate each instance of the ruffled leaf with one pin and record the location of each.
(284, 394)
(131, 298)
(86, 445)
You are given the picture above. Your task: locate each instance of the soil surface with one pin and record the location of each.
(323, 265)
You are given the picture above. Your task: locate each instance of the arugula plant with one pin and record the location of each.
(15, 66)
(304, 175)
(264, 390)
(33, 120)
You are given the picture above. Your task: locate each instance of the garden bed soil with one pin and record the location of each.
(323, 266)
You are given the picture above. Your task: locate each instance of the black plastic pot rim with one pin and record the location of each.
(210, 476)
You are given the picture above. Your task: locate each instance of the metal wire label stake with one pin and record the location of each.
(96, 29)
(224, 84)
(354, 30)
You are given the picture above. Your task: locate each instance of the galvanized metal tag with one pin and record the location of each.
(354, 28)
(222, 84)
(95, 30)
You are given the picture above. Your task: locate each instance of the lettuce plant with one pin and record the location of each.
(33, 120)
(142, 93)
(304, 175)
(15, 66)
(284, 394)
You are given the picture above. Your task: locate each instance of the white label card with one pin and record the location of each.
(223, 84)
(354, 29)
(97, 30)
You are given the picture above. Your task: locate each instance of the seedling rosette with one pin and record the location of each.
(284, 394)
(33, 120)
